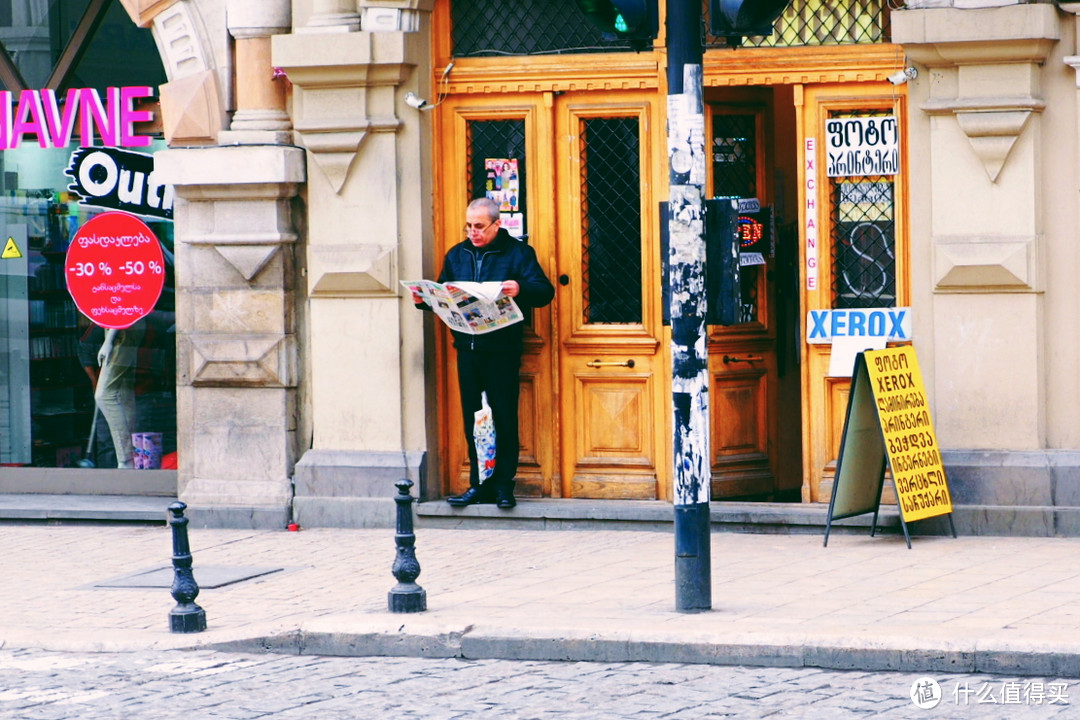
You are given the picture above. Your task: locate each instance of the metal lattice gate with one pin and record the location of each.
(611, 220)
(546, 27)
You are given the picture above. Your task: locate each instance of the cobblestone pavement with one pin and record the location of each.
(158, 685)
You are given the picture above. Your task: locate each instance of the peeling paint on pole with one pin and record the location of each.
(686, 267)
(691, 474)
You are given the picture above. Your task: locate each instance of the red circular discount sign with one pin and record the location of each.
(115, 270)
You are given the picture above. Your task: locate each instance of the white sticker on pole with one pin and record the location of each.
(810, 200)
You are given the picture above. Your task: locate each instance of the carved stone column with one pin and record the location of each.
(333, 16)
(260, 115)
(237, 355)
(369, 202)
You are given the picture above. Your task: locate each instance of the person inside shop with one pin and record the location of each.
(115, 394)
(100, 451)
(491, 362)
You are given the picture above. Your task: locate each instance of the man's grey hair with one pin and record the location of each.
(488, 204)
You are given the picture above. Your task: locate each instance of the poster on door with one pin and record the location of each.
(504, 187)
(502, 182)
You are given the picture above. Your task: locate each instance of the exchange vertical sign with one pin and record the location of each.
(908, 432)
(810, 229)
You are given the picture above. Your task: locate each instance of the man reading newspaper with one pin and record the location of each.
(490, 361)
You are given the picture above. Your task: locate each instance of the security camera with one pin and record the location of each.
(902, 76)
(414, 101)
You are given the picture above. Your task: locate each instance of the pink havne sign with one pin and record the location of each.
(41, 115)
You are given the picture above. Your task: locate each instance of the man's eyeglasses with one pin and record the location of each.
(477, 228)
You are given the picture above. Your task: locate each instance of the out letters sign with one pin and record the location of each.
(908, 432)
(119, 180)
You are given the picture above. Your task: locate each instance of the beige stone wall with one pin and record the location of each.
(369, 210)
(992, 156)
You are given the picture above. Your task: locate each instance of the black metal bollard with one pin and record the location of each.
(186, 617)
(406, 596)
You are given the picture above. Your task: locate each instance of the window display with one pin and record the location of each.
(77, 95)
(74, 393)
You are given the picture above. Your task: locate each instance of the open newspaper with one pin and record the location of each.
(468, 307)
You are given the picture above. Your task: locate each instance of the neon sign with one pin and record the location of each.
(750, 231)
(40, 113)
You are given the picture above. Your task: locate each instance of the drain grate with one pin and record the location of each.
(207, 577)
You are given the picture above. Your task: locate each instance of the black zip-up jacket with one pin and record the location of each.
(505, 258)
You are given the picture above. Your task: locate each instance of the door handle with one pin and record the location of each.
(747, 359)
(564, 279)
(614, 363)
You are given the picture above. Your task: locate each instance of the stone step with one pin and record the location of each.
(99, 508)
(579, 514)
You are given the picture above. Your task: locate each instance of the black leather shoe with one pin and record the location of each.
(505, 500)
(472, 496)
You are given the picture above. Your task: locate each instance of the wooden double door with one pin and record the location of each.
(581, 175)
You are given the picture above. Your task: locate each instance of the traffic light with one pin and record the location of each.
(632, 20)
(723, 287)
(735, 19)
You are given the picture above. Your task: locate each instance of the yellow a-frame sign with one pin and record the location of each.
(888, 424)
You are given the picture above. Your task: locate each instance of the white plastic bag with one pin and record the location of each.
(484, 437)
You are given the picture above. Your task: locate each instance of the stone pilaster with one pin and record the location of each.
(369, 210)
(993, 259)
(237, 355)
(977, 110)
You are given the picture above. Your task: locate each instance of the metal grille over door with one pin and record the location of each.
(497, 140)
(735, 169)
(610, 220)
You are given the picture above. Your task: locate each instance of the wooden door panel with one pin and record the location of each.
(825, 397)
(458, 121)
(530, 476)
(615, 435)
(743, 391)
(739, 422)
(742, 426)
(614, 414)
(611, 419)
(837, 391)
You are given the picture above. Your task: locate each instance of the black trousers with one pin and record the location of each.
(497, 374)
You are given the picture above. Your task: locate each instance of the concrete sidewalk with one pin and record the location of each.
(1005, 605)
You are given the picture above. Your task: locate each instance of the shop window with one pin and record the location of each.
(75, 43)
(60, 407)
(611, 220)
(49, 370)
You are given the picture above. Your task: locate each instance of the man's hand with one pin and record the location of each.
(510, 288)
